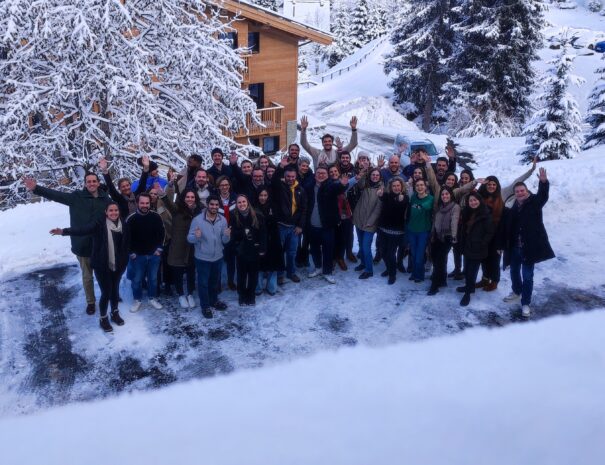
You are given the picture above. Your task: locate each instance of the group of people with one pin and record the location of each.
(257, 223)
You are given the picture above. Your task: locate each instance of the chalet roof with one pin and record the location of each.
(274, 19)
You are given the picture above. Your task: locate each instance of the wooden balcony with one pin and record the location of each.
(270, 122)
(246, 69)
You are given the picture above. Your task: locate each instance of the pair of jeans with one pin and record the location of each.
(267, 280)
(322, 248)
(145, 266)
(178, 273)
(289, 242)
(471, 270)
(365, 248)
(439, 251)
(521, 275)
(343, 242)
(208, 274)
(390, 243)
(418, 241)
(109, 283)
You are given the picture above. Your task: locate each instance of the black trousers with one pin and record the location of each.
(302, 252)
(457, 247)
(471, 270)
(109, 283)
(391, 248)
(322, 248)
(491, 264)
(178, 273)
(439, 251)
(344, 238)
(247, 279)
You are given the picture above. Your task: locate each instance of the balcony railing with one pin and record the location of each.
(270, 121)
(246, 69)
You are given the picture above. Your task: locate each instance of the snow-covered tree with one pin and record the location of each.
(594, 5)
(359, 34)
(81, 78)
(376, 26)
(555, 130)
(341, 47)
(596, 112)
(494, 75)
(420, 62)
(269, 4)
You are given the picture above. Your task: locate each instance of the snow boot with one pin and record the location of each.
(90, 309)
(481, 284)
(105, 325)
(466, 299)
(116, 318)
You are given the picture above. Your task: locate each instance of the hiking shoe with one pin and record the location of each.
(90, 309)
(316, 272)
(294, 278)
(105, 325)
(525, 311)
(207, 312)
(366, 275)
(183, 302)
(466, 299)
(116, 318)
(191, 301)
(329, 278)
(512, 297)
(136, 306)
(220, 305)
(351, 257)
(492, 286)
(155, 304)
(360, 268)
(484, 282)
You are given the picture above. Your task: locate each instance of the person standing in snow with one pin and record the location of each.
(328, 154)
(526, 240)
(466, 176)
(146, 243)
(108, 258)
(85, 206)
(419, 227)
(273, 261)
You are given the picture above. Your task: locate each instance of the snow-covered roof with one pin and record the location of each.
(272, 18)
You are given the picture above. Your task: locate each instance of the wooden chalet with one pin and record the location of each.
(271, 42)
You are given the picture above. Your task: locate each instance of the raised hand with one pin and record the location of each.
(284, 161)
(103, 165)
(380, 191)
(56, 232)
(542, 175)
(145, 162)
(198, 232)
(339, 143)
(172, 175)
(449, 151)
(380, 161)
(233, 158)
(481, 180)
(304, 123)
(30, 183)
(353, 122)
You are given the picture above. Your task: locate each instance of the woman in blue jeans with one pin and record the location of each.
(419, 227)
(365, 218)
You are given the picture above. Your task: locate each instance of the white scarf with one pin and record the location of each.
(111, 226)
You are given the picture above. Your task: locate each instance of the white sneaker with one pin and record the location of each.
(329, 278)
(191, 301)
(183, 302)
(155, 304)
(512, 297)
(135, 307)
(525, 311)
(316, 272)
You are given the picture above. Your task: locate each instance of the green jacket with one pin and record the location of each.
(83, 209)
(421, 214)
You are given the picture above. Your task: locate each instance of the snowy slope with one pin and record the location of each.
(529, 394)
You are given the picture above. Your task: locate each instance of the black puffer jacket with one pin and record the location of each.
(249, 242)
(476, 234)
(525, 221)
(273, 260)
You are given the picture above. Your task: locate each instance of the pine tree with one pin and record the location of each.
(596, 112)
(85, 78)
(269, 4)
(420, 62)
(358, 30)
(376, 26)
(341, 47)
(554, 132)
(494, 75)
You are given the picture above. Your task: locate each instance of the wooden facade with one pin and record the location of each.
(271, 45)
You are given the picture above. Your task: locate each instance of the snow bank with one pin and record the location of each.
(527, 394)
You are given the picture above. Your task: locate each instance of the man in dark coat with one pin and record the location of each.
(322, 213)
(85, 206)
(219, 168)
(525, 240)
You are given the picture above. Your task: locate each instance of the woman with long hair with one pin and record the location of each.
(273, 260)
(250, 241)
(108, 260)
(344, 229)
(466, 177)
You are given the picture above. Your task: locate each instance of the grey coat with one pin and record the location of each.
(209, 247)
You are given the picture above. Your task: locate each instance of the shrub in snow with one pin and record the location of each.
(555, 130)
(83, 78)
(594, 5)
(493, 71)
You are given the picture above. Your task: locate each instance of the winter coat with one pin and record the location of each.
(327, 202)
(226, 170)
(127, 205)
(245, 185)
(151, 180)
(84, 208)
(282, 201)
(146, 233)
(524, 221)
(273, 260)
(368, 207)
(180, 252)
(452, 210)
(394, 212)
(319, 156)
(249, 242)
(475, 237)
(99, 257)
(160, 209)
(209, 247)
(421, 213)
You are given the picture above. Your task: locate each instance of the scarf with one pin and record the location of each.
(111, 228)
(293, 190)
(443, 221)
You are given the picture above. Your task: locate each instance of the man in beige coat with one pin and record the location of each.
(328, 155)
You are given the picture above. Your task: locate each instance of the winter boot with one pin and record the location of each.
(481, 284)
(105, 325)
(116, 318)
(90, 309)
(466, 299)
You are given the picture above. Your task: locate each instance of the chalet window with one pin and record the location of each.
(255, 141)
(257, 94)
(254, 42)
(270, 145)
(230, 38)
